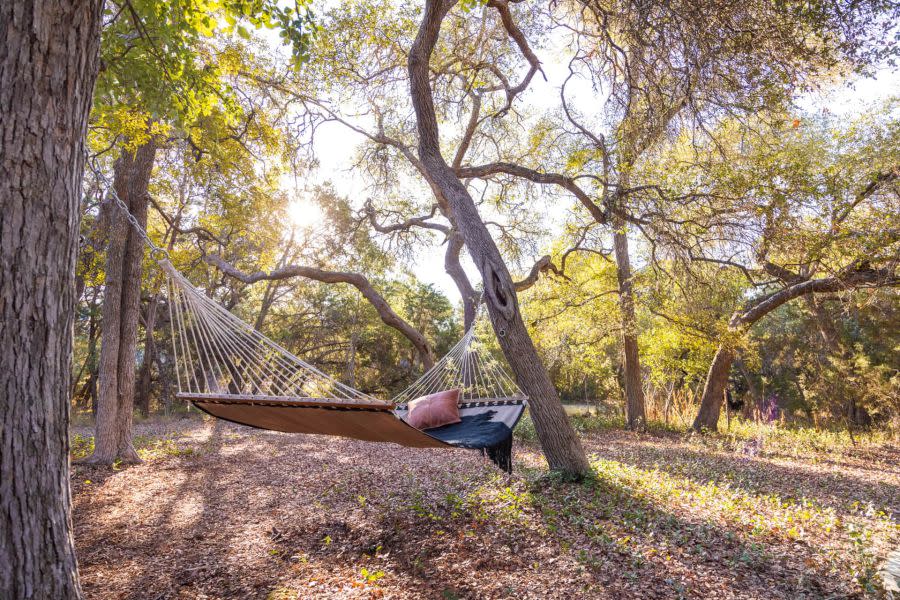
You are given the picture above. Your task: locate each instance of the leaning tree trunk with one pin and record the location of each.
(560, 444)
(48, 63)
(121, 309)
(635, 414)
(742, 320)
(454, 269)
(714, 390)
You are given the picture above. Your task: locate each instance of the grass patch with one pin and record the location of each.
(787, 439)
(148, 447)
(793, 439)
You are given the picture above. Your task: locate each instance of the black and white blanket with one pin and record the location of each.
(485, 426)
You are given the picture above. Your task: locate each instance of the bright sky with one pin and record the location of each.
(335, 147)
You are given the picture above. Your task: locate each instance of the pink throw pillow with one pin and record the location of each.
(434, 410)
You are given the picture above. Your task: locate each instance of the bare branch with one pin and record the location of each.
(360, 282)
(518, 37)
(568, 183)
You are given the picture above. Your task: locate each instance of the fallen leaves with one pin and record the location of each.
(220, 511)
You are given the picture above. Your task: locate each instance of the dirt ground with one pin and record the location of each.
(221, 511)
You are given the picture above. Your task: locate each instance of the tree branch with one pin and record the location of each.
(854, 276)
(568, 183)
(406, 225)
(543, 265)
(360, 282)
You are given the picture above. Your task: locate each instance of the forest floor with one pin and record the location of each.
(221, 511)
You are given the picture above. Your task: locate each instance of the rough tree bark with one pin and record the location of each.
(635, 414)
(560, 444)
(717, 377)
(360, 282)
(48, 64)
(121, 309)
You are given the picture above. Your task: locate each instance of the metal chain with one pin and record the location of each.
(156, 253)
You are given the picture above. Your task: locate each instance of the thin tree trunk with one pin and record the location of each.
(755, 392)
(91, 363)
(350, 372)
(560, 444)
(856, 415)
(265, 306)
(143, 389)
(635, 412)
(48, 63)
(121, 309)
(89, 367)
(453, 267)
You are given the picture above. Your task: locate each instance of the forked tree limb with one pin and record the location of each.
(404, 226)
(506, 168)
(509, 24)
(543, 265)
(360, 282)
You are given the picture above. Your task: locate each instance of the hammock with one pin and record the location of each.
(233, 372)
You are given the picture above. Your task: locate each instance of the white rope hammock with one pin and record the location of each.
(230, 370)
(471, 368)
(218, 355)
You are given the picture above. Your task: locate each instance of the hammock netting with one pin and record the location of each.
(233, 372)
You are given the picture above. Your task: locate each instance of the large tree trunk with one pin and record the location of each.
(560, 444)
(48, 63)
(635, 414)
(121, 309)
(714, 390)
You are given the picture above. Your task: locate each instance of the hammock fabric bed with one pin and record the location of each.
(232, 372)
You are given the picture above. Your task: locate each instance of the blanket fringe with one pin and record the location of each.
(501, 453)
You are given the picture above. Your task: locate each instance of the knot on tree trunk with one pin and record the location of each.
(499, 294)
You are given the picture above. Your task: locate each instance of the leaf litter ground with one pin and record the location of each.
(222, 511)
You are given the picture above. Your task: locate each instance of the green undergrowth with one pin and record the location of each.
(740, 435)
(149, 447)
(796, 440)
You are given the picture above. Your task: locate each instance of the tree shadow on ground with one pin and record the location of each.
(641, 549)
(256, 512)
(139, 532)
